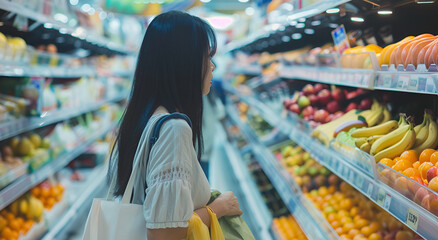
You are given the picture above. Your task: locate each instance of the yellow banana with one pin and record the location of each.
(366, 114)
(365, 147)
(431, 140)
(386, 115)
(373, 139)
(360, 141)
(376, 117)
(24, 207)
(380, 129)
(395, 150)
(325, 132)
(390, 138)
(14, 208)
(422, 132)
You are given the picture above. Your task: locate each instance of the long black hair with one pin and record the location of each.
(171, 66)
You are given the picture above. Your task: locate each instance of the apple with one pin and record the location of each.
(294, 108)
(318, 87)
(333, 107)
(337, 115)
(308, 111)
(303, 101)
(351, 95)
(431, 173)
(328, 118)
(321, 115)
(365, 104)
(308, 90)
(314, 100)
(288, 102)
(337, 94)
(324, 96)
(351, 106)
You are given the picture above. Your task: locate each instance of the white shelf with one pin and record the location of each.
(312, 223)
(74, 31)
(343, 166)
(95, 180)
(25, 183)
(16, 70)
(12, 128)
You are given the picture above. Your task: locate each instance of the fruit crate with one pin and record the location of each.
(355, 157)
(13, 174)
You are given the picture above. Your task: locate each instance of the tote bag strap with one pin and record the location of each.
(155, 135)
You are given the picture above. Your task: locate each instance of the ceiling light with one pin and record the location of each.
(300, 25)
(301, 20)
(285, 38)
(86, 7)
(63, 30)
(293, 23)
(48, 25)
(384, 12)
(205, 1)
(357, 19)
(221, 22)
(424, 1)
(288, 7)
(249, 11)
(316, 23)
(243, 1)
(333, 25)
(309, 31)
(91, 11)
(103, 15)
(332, 10)
(282, 28)
(297, 36)
(74, 2)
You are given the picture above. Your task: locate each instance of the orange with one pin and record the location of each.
(348, 227)
(423, 169)
(410, 155)
(335, 224)
(20, 221)
(36, 192)
(388, 162)
(433, 185)
(402, 165)
(375, 226)
(45, 193)
(354, 211)
(374, 236)
(404, 235)
(345, 220)
(366, 231)
(411, 172)
(346, 204)
(54, 192)
(7, 233)
(14, 235)
(353, 232)
(416, 164)
(10, 217)
(50, 202)
(425, 155)
(397, 159)
(434, 158)
(331, 217)
(339, 230)
(360, 223)
(14, 225)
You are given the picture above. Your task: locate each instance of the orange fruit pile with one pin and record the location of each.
(12, 227)
(48, 194)
(287, 228)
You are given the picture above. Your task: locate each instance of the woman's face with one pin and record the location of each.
(208, 77)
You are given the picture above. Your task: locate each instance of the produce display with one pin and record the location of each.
(49, 194)
(285, 228)
(317, 104)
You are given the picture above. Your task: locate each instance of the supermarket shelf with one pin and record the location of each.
(258, 208)
(247, 70)
(313, 226)
(25, 183)
(13, 128)
(95, 180)
(74, 31)
(368, 184)
(13, 70)
(305, 12)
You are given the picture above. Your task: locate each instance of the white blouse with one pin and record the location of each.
(176, 183)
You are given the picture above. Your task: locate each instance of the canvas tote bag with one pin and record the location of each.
(113, 220)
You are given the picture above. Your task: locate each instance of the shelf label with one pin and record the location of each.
(351, 176)
(381, 197)
(387, 201)
(402, 82)
(412, 218)
(359, 182)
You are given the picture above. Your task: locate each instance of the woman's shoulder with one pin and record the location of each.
(176, 126)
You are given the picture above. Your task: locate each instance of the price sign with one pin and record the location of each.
(359, 181)
(403, 81)
(340, 39)
(412, 218)
(381, 197)
(370, 189)
(387, 201)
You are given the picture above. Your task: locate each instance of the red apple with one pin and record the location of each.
(431, 173)
(308, 90)
(318, 87)
(360, 91)
(333, 107)
(337, 115)
(351, 95)
(314, 100)
(294, 108)
(351, 106)
(324, 96)
(288, 102)
(337, 94)
(308, 111)
(328, 118)
(365, 104)
(321, 115)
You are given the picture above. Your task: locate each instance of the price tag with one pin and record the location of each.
(387, 202)
(370, 189)
(412, 218)
(351, 176)
(359, 181)
(381, 197)
(403, 81)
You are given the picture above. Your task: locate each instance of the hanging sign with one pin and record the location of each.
(340, 39)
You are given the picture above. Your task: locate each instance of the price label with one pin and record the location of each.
(412, 218)
(403, 81)
(351, 176)
(381, 197)
(387, 202)
(370, 189)
(359, 181)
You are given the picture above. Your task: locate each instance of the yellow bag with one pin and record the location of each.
(199, 231)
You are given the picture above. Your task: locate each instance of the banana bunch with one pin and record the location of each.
(366, 137)
(27, 206)
(426, 134)
(377, 114)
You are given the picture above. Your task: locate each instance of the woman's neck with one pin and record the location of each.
(160, 109)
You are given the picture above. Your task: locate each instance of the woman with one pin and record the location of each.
(174, 70)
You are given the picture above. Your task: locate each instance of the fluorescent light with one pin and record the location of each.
(275, 27)
(384, 12)
(293, 23)
(103, 15)
(205, 1)
(91, 11)
(315, 23)
(74, 2)
(309, 31)
(243, 1)
(357, 19)
(221, 22)
(424, 1)
(63, 30)
(86, 7)
(332, 10)
(296, 36)
(287, 6)
(333, 25)
(282, 28)
(249, 11)
(285, 38)
(301, 20)
(300, 25)
(48, 25)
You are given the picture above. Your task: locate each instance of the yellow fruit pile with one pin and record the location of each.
(352, 57)
(286, 228)
(353, 216)
(48, 194)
